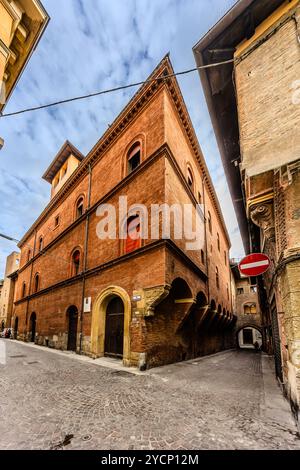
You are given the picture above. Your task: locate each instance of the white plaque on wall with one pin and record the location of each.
(87, 304)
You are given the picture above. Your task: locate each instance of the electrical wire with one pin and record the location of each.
(111, 90)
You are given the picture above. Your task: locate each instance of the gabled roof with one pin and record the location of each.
(66, 150)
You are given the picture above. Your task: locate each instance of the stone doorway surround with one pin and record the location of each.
(99, 318)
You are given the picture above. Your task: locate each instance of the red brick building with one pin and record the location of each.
(149, 301)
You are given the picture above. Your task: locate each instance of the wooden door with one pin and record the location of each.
(114, 328)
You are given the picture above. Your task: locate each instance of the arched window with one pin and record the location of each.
(79, 208)
(199, 198)
(217, 278)
(190, 179)
(41, 243)
(36, 285)
(209, 222)
(218, 241)
(23, 289)
(134, 157)
(28, 255)
(202, 257)
(75, 262)
(133, 238)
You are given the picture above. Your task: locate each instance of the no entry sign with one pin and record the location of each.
(255, 264)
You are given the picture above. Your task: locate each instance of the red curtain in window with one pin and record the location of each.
(133, 240)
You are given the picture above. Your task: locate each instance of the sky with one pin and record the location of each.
(88, 46)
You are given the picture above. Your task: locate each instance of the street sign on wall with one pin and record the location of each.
(254, 264)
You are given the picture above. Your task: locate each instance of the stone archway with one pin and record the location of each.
(247, 335)
(99, 322)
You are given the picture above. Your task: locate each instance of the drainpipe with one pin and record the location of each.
(87, 222)
(30, 281)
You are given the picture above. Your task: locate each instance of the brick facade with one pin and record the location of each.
(174, 308)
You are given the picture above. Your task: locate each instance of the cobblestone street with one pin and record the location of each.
(52, 401)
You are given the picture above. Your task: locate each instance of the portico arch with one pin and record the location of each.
(99, 320)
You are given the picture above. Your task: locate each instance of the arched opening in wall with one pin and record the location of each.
(190, 179)
(16, 325)
(133, 234)
(23, 290)
(79, 208)
(72, 318)
(75, 263)
(114, 328)
(32, 327)
(134, 157)
(41, 243)
(2, 325)
(249, 337)
(36, 285)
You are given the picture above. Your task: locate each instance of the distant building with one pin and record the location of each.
(22, 23)
(254, 104)
(247, 309)
(148, 301)
(7, 291)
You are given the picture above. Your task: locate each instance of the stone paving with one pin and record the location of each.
(55, 401)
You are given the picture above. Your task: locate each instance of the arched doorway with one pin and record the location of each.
(114, 328)
(32, 327)
(248, 337)
(99, 322)
(72, 316)
(16, 327)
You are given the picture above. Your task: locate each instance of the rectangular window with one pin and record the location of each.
(240, 290)
(253, 289)
(56, 222)
(202, 257)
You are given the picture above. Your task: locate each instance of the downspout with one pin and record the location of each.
(29, 287)
(205, 237)
(87, 222)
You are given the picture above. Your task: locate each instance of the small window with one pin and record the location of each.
(55, 182)
(134, 157)
(199, 198)
(209, 222)
(75, 263)
(41, 243)
(225, 258)
(218, 241)
(202, 257)
(240, 290)
(227, 292)
(253, 289)
(36, 283)
(56, 221)
(64, 170)
(190, 179)
(79, 208)
(217, 278)
(28, 255)
(133, 239)
(23, 289)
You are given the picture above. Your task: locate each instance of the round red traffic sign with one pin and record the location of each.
(254, 264)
